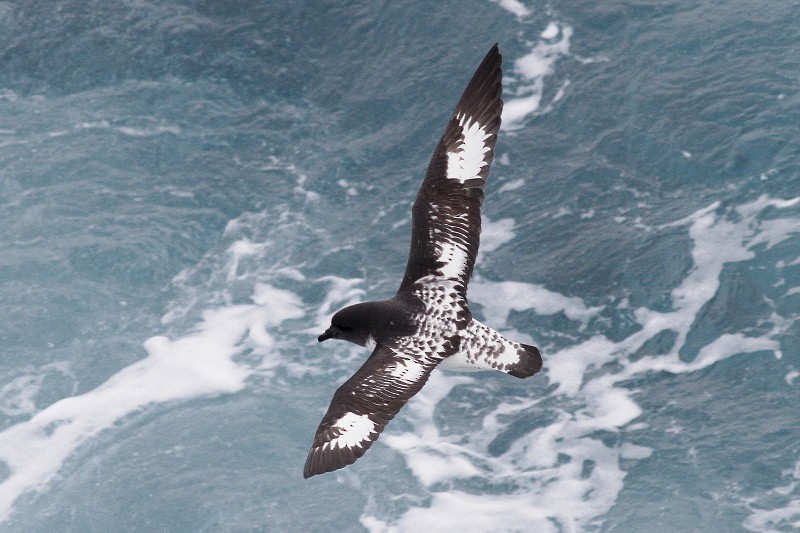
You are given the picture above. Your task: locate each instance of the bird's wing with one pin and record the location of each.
(446, 217)
(362, 407)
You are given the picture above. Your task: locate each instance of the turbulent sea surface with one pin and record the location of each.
(188, 191)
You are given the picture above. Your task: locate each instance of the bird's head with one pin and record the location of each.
(351, 324)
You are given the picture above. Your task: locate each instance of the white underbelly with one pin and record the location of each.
(458, 363)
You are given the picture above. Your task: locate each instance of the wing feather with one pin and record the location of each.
(364, 404)
(446, 217)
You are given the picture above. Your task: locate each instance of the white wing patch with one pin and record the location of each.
(454, 258)
(354, 428)
(467, 161)
(408, 370)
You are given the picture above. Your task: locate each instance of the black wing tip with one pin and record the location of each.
(492, 57)
(530, 362)
(495, 51)
(482, 99)
(321, 461)
(315, 465)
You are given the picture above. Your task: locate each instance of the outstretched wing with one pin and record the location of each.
(362, 407)
(447, 212)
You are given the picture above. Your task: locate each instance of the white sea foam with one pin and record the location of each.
(514, 6)
(18, 394)
(198, 364)
(524, 98)
(132, 131)
(495, 233)
(563, 477)
(551, 31)
(785, 517)
(148, 132)
(499, 298)
(512, 185)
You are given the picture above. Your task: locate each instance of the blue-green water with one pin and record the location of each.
(189, 190)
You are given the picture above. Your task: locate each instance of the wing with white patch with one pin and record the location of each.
(447, 212)
(362, 407)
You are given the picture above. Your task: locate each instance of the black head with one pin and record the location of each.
(352, 324)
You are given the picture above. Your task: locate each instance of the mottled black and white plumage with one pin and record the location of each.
(428, 322)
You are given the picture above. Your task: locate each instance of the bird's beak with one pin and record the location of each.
(325, 336)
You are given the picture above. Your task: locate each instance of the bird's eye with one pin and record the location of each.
(345, 328)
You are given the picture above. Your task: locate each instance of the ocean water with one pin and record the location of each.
(188, 191)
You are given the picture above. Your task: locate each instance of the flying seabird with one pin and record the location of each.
(428, 322)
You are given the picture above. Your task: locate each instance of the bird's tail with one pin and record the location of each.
(482, 348)
(530, 362)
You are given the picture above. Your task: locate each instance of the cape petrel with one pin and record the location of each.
(428, 322)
